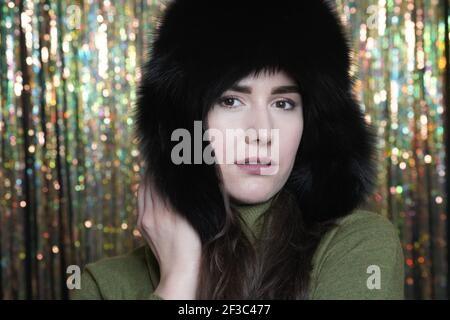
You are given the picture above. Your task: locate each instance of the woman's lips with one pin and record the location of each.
(257, 165)
(256, 169)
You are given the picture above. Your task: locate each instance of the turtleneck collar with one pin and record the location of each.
(253, 210)
(250, 213)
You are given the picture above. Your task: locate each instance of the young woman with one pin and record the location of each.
(285, 223)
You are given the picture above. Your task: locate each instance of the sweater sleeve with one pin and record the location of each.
(90, 289)
(362, 260)
(154, 296)
(125, 277)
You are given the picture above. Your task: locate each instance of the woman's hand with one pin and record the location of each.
(174, 242)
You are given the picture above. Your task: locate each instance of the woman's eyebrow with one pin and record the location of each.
(286, 89)
(276, 90)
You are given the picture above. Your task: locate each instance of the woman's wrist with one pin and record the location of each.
(178, 287)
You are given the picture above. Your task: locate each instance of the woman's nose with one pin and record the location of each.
(261, 123)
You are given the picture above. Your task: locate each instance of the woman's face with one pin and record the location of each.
(258, 105)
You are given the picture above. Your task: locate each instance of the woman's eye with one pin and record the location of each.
(232, 102)
(285, 104)
(228, 102)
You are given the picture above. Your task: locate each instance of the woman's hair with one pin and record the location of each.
(201, 49)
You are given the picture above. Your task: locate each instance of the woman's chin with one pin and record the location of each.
(249, 197)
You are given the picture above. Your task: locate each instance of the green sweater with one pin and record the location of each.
(360, 258)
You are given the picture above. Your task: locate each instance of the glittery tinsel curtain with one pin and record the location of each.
(400, 63)
(69, 166)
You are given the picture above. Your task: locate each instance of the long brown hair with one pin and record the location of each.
(276, 266)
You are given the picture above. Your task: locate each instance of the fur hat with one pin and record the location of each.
(202, 47)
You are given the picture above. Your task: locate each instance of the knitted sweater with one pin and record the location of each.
(360, 258)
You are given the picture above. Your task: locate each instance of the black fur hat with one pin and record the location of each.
(202, 47)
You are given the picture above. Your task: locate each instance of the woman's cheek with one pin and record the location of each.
(290, 138)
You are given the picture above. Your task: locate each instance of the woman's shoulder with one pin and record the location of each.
(363, 228)
(360, 243)
(125, 276)
(368, 221)
(125, 263)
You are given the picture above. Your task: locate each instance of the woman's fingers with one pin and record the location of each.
(141, 207)
(155, 197)
(143, 203)
(145, 214)
(160, 210)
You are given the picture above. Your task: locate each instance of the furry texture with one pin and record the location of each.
(201, 48)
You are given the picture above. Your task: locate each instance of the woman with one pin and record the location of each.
(287, 223)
